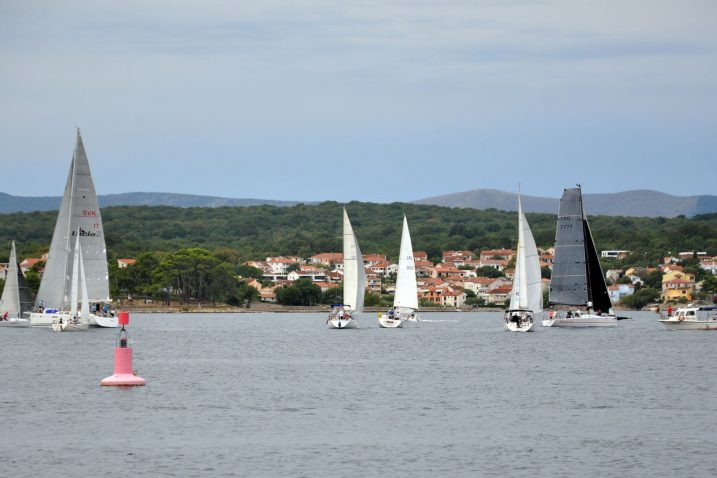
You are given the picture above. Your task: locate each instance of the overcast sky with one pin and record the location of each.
(368, 100)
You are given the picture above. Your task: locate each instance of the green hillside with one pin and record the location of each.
(259, 231)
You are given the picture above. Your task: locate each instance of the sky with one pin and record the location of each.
(360, 100)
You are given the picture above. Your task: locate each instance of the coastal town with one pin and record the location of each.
(461, 279)
(465, 278)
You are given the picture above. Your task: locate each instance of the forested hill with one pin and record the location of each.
(258, 231)
(640, 203)
(9, 203)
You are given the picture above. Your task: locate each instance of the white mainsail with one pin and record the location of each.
(354, 269)
(527, 291)
(15, 295)
(79, 216)
(406, 290)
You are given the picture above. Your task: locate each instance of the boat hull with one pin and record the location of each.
(15, 323)
(674, 324)
(100, 321)
(518, 320)
(41, 319)
(388, 323)
(586, 320)
(69, 327)
(341, 324)
(522, 328)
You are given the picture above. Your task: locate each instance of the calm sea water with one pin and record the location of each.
(280, 395)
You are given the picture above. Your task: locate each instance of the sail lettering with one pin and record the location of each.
(89, 213)
(84, 233)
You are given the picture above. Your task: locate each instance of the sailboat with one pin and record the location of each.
(70, 321)
(578, 293)
(79, 217)
(16, 299)
(405, 301)
(341, 316)
(526, 299)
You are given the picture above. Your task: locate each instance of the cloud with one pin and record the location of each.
(300, 84)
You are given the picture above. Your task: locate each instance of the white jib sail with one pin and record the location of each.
(85, 307)
(527, 291)
(354, 269)
(406, 290)
(75, 278)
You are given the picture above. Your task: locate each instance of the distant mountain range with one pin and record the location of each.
(9, 203)
(644, 203)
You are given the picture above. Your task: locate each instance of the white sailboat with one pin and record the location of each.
(16, 298)
(71, 321)
(405, 302)
(578, 293)
(79, 216)
(342, 316)
(526, 299)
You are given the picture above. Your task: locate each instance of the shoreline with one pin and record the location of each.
(258, 308)
(262, 307)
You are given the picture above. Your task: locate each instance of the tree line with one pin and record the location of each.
(195, 254)
(253, 232)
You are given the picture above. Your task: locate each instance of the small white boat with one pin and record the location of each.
(692, 318)
(342, 315)
(518, 320)
(526, 297)
(340, 318)
(16, 298)
(389, 322)
(405, 300)
(68, 323)
(72, 321)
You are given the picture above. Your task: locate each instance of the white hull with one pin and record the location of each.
(586, 320)
(674, 324)
(69, 327)
(99, 321)
(548, 322)
(46, 320)
(525, 320)
(341, 324)
(522, 328)
(15, 323)
(387, 323)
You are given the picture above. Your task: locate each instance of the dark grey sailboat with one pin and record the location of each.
(578, 293)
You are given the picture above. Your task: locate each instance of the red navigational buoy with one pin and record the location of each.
(124, 375)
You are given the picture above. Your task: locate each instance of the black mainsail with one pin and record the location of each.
(577, 276)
